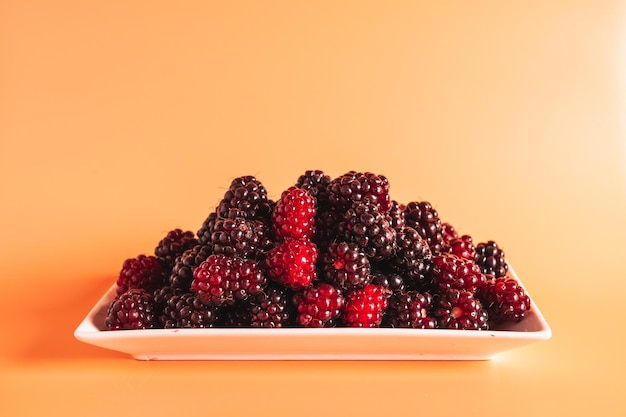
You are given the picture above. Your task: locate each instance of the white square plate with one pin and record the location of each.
(338, 343)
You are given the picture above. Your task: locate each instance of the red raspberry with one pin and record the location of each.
(222, 280)
(456, 309)
(364, 307)
(505, 300)
(144, 271)
(319, 306)
(131, 310)
(450, 271)
(293, 263)
(294, 215)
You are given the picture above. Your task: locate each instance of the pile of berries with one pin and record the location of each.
(329, 252)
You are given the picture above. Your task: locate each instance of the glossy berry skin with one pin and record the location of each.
(460, 310)
(355, 186)
(318, 306)
(223, 280)
(292, 263)
(364, 307)
(173, 245)
(451, 272)
(345, 265)
(132, 310)
(294, 215)
(188, 311)
(144, 272)
(505, 300)
(491, 259)
(409, 309)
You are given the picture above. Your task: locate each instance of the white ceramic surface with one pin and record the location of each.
(310, 344)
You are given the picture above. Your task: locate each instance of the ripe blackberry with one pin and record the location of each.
(187, 310)
(424, 218)
(131, 310)
(354, 186)
(236, 315)
(159, 300)
(144, 271)
(451, 272)
(272, 308)
(455, 309)
(409, 309)
(173, 245)
(239, 236)
(491, 259)
(292, 263)
(412, 258)
(248, 197)
(222, 280)
(396, 215)
(316, 183)
(505, 300)
(364, 307)
(327, 220)
(294, 215)
(182, 271)
(364, 225)
(206, 230)
(345, 265)
(318, 306)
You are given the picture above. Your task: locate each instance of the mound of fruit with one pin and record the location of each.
(330, 252)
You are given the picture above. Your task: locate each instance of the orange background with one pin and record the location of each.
(122, 120)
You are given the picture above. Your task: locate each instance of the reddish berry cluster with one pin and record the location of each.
(329, 252)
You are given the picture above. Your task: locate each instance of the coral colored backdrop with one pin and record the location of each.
(122, 120)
